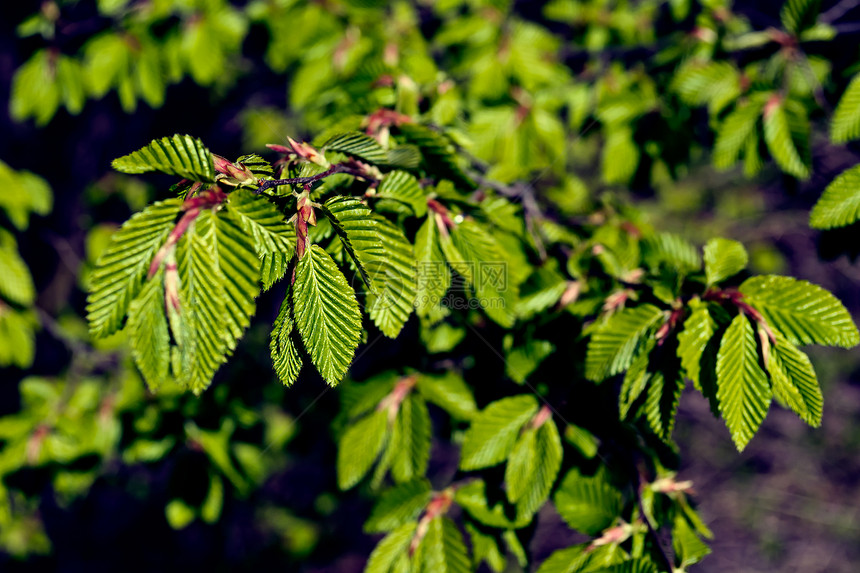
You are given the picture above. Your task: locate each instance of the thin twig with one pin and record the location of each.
(336, 168)
(838, 10)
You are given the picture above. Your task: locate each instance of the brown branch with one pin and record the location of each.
(336, 168)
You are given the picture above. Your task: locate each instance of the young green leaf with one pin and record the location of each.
(534, 470)
(148, 334)
(439, 154)
(442, 550)
(395, 274)
(489, 273)
(735, 133)
(794, 381)
(391, 549)
(778, 136)
(689, 548)
(239, 268)
(613, 344)
(359, 145)
(403, 187)
(742, 387)
(839, 205)
(180, 155)
(692, 340)
(262, 220)
(121, 269)
(450, 392)
(494, 431)
(359, 447)
(805, 313)
(285, 355)
(326, 314)
(433, 276)
(352, 221)
(412, 449)
(799, 15)
(846, 119)
(661, 402)
(485, 549)
(636, 378)
(523, 360)
(218, 272)
(398, 505)
(587, 504)
(724, 258)
(17, 284)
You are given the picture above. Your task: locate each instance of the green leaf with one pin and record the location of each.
(794, 381)
(239, 267)
(587, 504)
(846, 119)
(724, 258)
(148, 334)
(689, 548)
(359, 447)
(17, 337)
(358, 145)
(693, 339)
(778, 136)
(629, 566)
(487, 270)
(393, 547)
(533, 468)
(218, 272)
(285, 355)
(403, 187)
(433, 276)
(742, 387)
(636, 378)
(620, 156)
(261, 168)
(16, 285)
(473, 498)
(180, 155)
(716, 84)
(392, 305)
(523, 360)
(613, 344)
(672, 250)
(398, 505)
(261, 220)
(521, 464)
(121, 269)
(442, 550)
(839, 205)
(412, 448)
(491, 437)
(661, 402)
(178, 514)
(351, 219)
(449, 392)
(799, 15)
(326, 314)
(735, 133)
(439, 154)
(485, 549)
(805, 313)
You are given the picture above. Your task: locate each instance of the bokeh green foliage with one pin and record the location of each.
(551, 120)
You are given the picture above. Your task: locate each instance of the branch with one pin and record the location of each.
(336, 168)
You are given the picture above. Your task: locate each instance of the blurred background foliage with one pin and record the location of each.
(714, 118)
